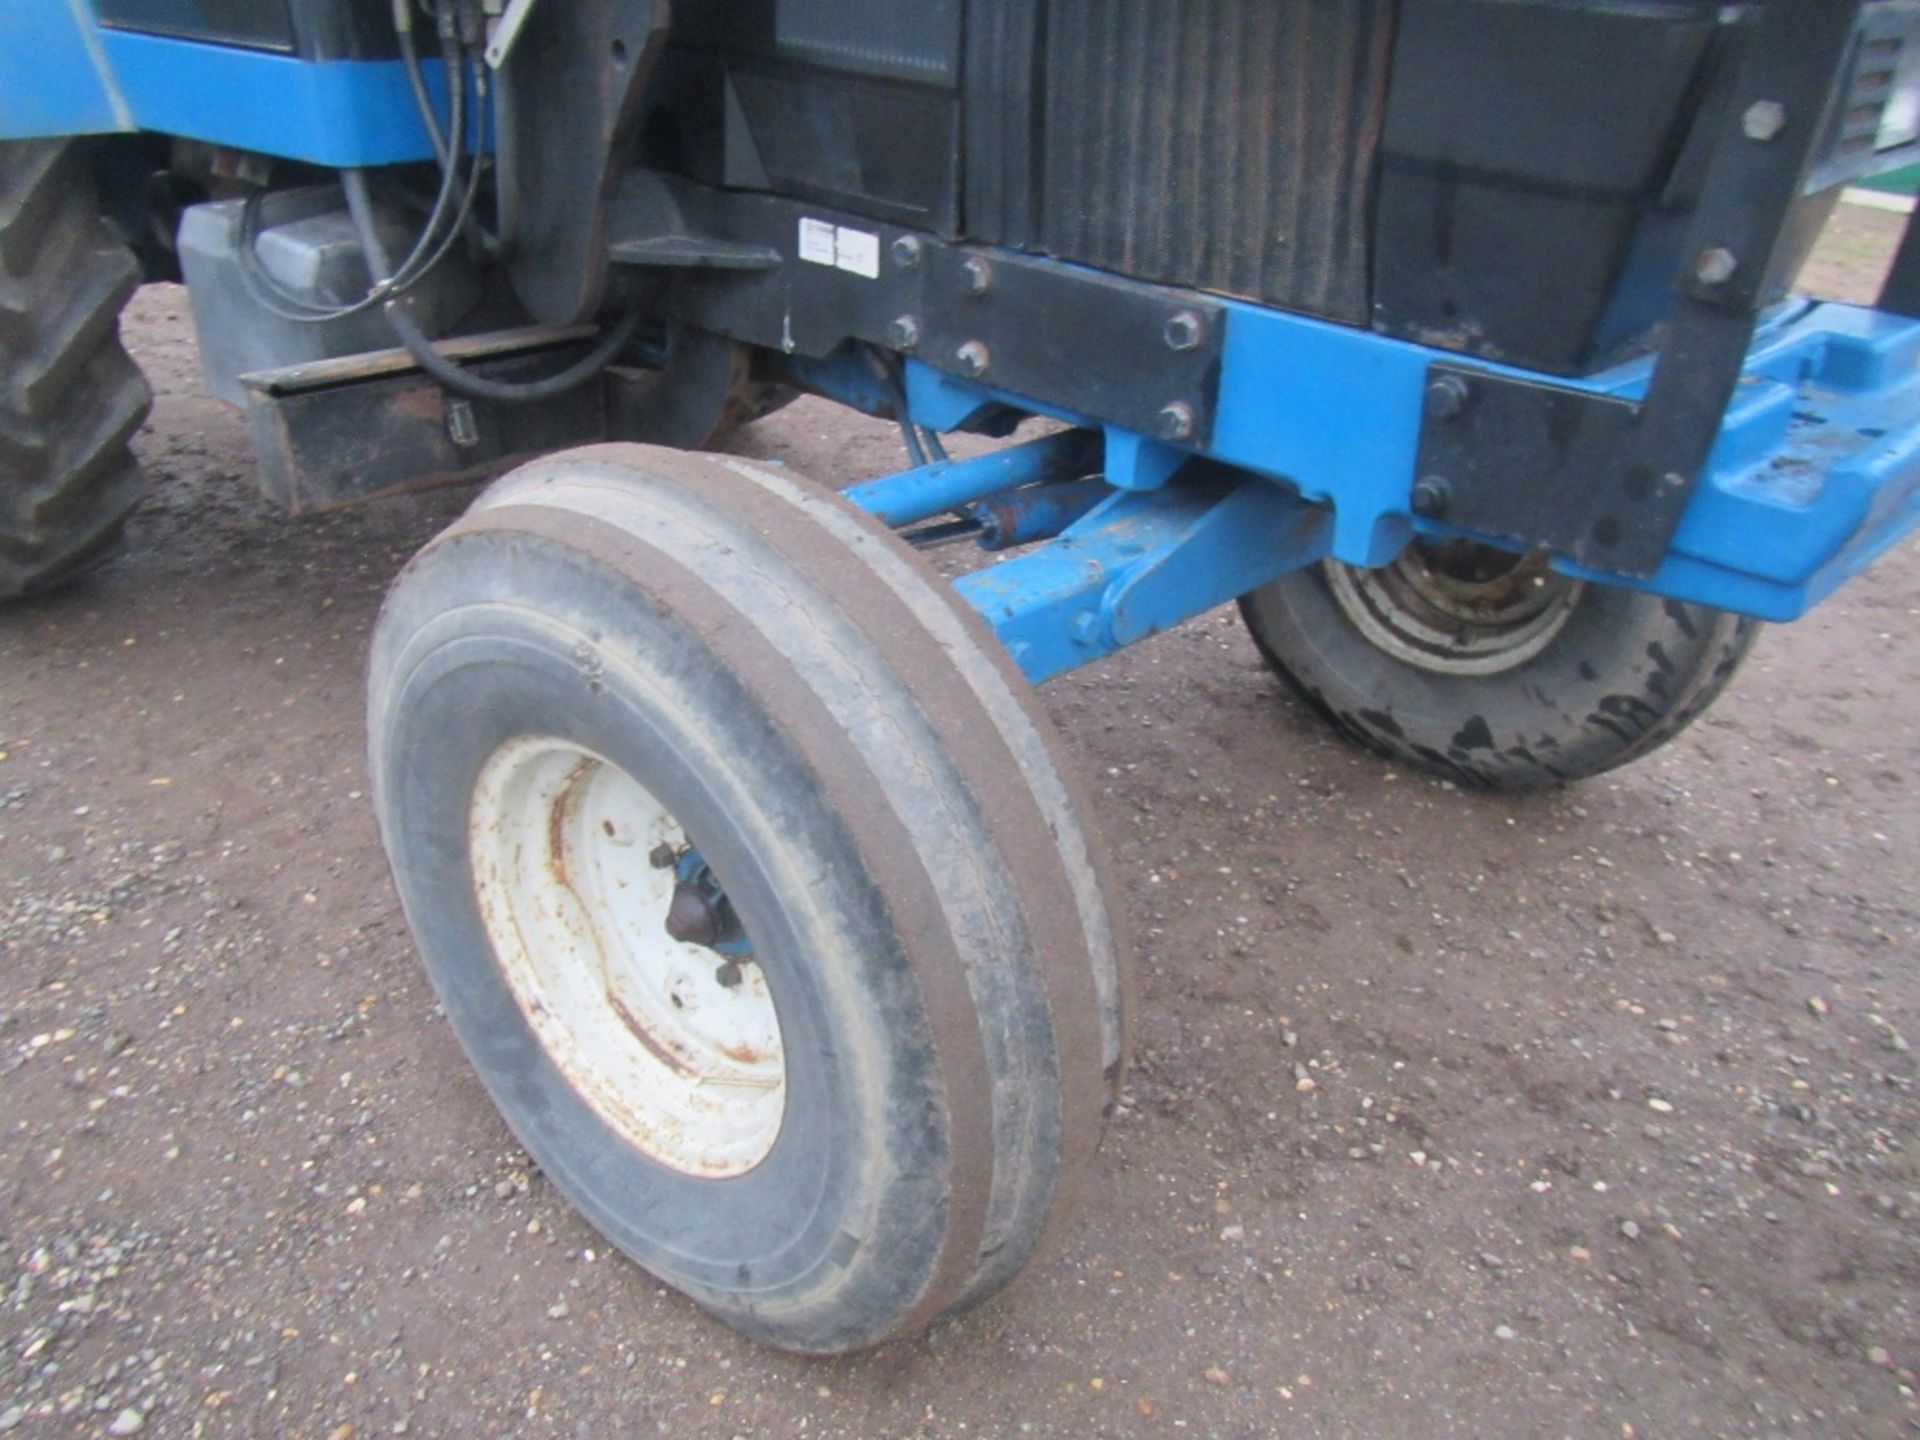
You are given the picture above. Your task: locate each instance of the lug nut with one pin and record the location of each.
(973, 359)
(1175, 422)
(1184, 329)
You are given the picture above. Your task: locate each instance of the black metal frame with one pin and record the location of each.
(1605, 481)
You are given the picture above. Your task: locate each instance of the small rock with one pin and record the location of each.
(1305, 1085)
(1630, 1229)
(1663, 1107)
(1490, 1260)
(128, 1422)
(1233, 1233)
(1666, 1024)
(1505, 1332)
(558, 1312)
(1816, 1005)
(1216, 1376)
(1878, 1355)
(503, 1190)
(12, 1416)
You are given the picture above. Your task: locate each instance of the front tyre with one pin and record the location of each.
(1489, 669)
(752, 885)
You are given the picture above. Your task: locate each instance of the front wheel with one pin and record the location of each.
(752, 884)
(1489, 669)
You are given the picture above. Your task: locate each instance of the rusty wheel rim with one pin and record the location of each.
(1455, 607)
(676, 1046)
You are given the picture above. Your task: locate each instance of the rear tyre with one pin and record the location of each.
(844, 1087)
(70, 396)
(1487, 669)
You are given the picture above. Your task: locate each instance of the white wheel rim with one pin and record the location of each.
(688, 1070)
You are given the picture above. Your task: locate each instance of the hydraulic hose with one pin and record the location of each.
(462, 382)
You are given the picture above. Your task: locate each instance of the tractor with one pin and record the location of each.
(1454, 340)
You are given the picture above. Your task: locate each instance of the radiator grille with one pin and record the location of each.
(1226, 144)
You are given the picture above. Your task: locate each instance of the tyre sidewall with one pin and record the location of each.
(469, 664)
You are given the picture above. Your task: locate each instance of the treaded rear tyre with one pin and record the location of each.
(1600, 677)
(70, 395)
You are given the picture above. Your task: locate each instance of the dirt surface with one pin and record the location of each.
(1587, 1113)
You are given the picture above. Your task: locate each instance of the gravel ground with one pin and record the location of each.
(1586, 1113)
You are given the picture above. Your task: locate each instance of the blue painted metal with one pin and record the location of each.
(335, 112)
(1035, 513)
(1140, 562)
(919, 494)
(1816, 473)
(53, 79)
(1817, 469)
(60, 77)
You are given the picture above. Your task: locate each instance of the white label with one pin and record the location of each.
(857, 251)
(816, 242)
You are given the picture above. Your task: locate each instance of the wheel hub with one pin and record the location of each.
(611, 957)
(1456, 607)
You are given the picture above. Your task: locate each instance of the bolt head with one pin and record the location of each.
(907, 251)
(1763, 120)
(1184, 329)
(903, 333)
(1175, 422)
(1447, 397)
(1431, 495)
(973, 359)
(1715, 266)
(978, 275)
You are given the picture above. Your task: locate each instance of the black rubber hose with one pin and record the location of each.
(462, 382)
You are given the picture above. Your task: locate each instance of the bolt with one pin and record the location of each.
(1764, 120)
(1086, 628)
(1184, 329)
(979, 275)
(1431, 495)
(1715, 266)
(1175, 421)
(907, 251)
(728, 975)
(903, 333)
(662, 856)
(1447, 397)
(973, 359)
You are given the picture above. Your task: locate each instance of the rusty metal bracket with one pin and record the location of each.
(336, 432)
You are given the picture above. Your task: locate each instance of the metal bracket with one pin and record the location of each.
(1602, 480)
